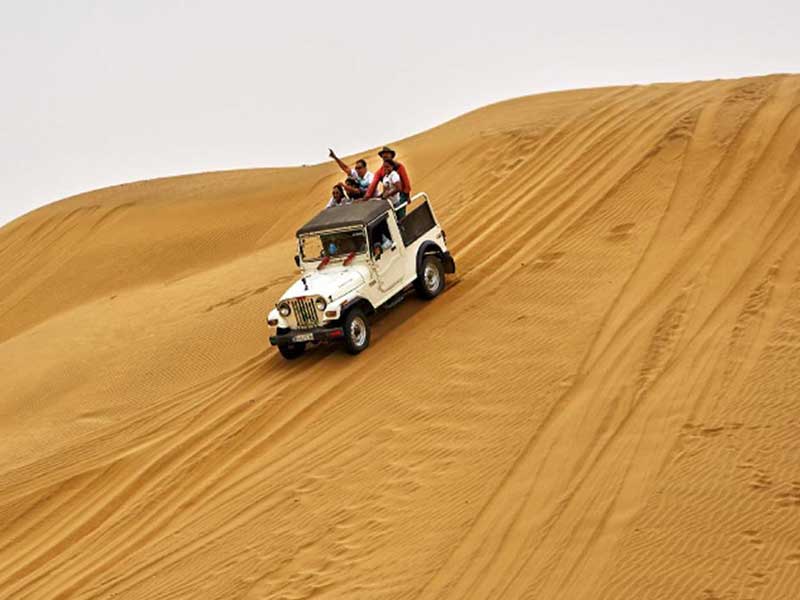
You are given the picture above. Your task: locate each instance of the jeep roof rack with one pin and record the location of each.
(348, 215)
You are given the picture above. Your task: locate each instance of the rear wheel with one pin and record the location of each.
(356, 331)
(291, 351)
(430, 278)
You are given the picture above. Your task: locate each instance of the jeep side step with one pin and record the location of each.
(395, 300)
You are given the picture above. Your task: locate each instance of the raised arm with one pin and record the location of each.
(339, 162)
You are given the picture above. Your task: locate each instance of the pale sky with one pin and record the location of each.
(101, 93)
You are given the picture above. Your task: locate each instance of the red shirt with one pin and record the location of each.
(405, 182)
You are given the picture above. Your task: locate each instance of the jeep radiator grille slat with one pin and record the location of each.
(305, 313)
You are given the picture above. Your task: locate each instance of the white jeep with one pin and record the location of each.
(355, 259)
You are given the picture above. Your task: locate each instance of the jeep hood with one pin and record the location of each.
(332, 282)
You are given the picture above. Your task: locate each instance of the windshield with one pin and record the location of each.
(333, 245)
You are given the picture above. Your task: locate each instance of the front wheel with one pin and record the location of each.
(293, 350)
(430, 278)
(356, 331)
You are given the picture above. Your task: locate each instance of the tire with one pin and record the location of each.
(291, 351)
(430, 278)
(356, 331)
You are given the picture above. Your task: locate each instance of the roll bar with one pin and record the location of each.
(414, 197)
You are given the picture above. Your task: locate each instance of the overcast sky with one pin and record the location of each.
(100, 93)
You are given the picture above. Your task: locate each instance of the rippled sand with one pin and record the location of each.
(603, 404)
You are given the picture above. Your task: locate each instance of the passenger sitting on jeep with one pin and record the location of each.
(352, 188)
(380, 238)
(359, 174)
(338, 197)
(381, 247)
(342, 244)
(392, 186)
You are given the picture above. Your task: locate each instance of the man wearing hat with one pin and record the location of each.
(405, 182)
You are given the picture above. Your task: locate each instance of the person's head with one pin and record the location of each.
(389, 165)
(337, 192)
(387, 153)
(361, 167)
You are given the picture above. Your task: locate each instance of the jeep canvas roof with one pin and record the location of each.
(355, 214)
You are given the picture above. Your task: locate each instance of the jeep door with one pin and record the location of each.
(387, 254)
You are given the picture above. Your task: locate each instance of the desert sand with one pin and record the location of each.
(604, 403)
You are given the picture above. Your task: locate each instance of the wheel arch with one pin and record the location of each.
(427, 247)
(358, 302)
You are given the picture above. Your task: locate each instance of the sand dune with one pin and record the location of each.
(603, 403)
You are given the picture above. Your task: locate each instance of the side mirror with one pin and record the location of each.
(297, 259)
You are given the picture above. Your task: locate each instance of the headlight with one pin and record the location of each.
(284, 309)
(320, 303)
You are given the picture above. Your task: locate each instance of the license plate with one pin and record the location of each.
(303, 337)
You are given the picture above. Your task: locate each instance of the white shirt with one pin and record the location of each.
(363, 182)
(332, 202)
(392, 180)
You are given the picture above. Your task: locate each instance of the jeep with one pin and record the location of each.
(354, 260)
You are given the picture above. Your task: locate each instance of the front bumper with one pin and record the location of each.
(318, 335)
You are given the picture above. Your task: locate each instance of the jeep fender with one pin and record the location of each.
(359, 301)
(429, 247)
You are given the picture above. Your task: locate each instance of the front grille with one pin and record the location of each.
(305, 313)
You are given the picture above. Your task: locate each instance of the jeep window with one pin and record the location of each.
(417, 223)
(333, 245)
(379, 237)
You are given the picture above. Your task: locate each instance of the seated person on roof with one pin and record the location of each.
(352, 189)
(338, 197)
